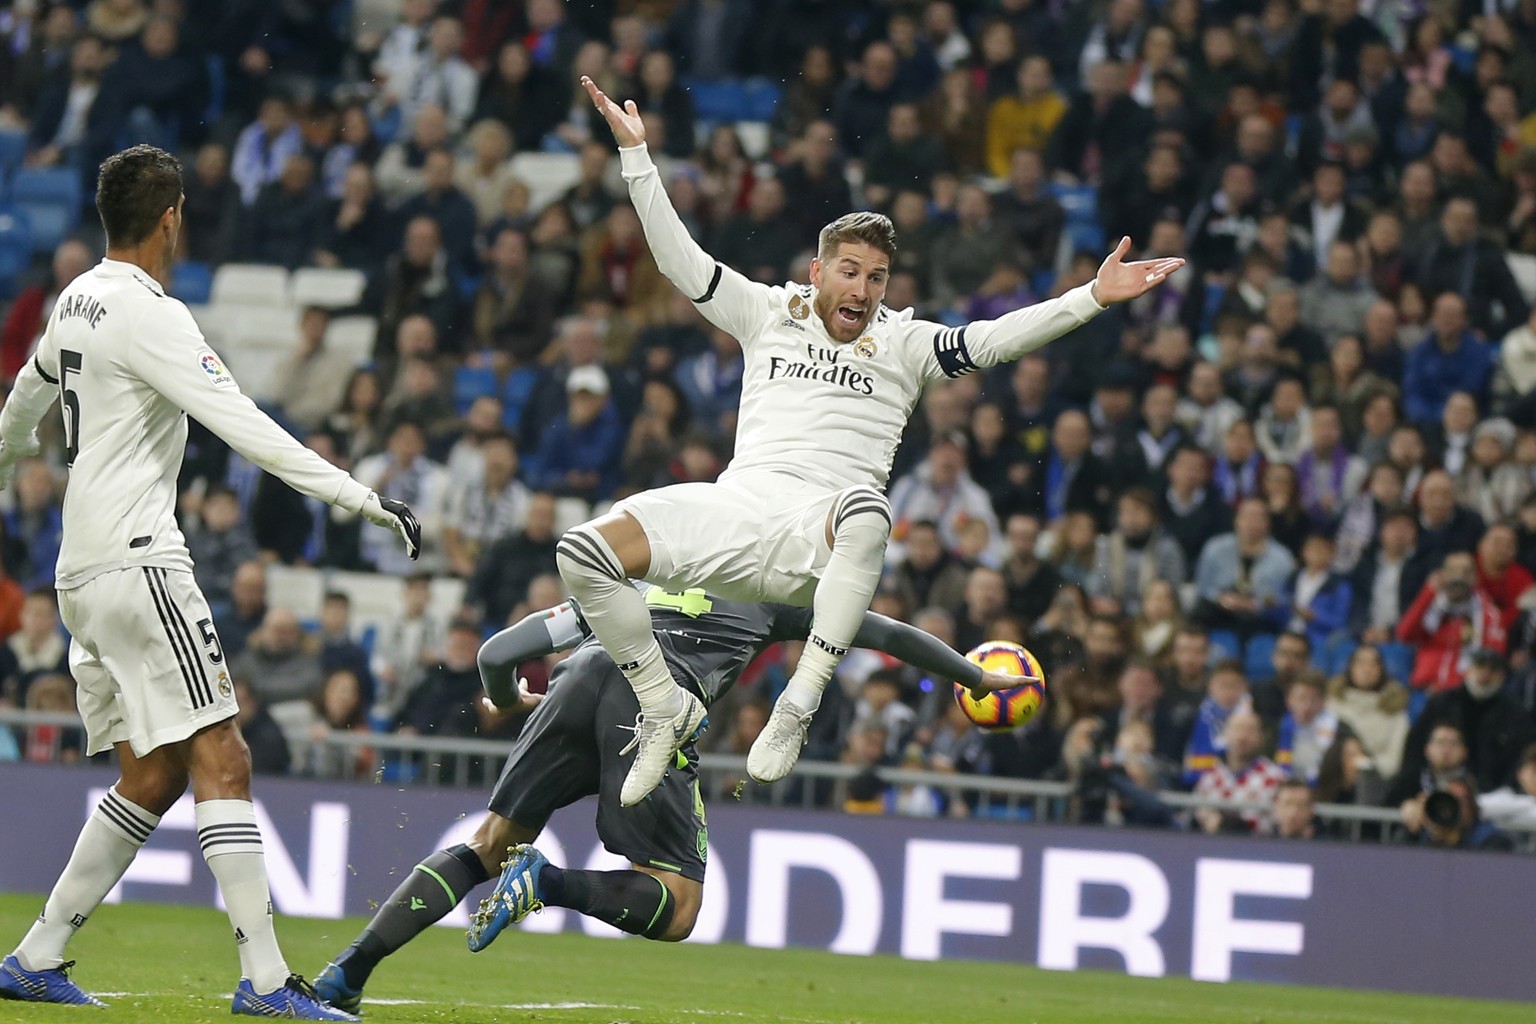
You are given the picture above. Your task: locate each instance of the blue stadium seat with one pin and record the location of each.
(192, 282)
(720, 101)
(13, 147)
(1043, 282)
(1399, 661)
(1339, 655)
(1258, 659)
(1416, 701)
(1079, 202)
(1225, 644)
(218, 84)
(762, 100)
(15, 249)
(51, 198)
(467, 284)
(1214, 293)
(470, 383)
(1086, 236)
(515, 394)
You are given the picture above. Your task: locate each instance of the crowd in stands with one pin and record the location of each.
(1271, 529)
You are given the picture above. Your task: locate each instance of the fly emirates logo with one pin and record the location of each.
(822, 364)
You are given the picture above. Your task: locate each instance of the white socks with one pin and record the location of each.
(231, 842)
(107, 845)
(861, 524)
(619, 617)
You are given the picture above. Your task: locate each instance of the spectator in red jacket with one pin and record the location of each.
(30, 311)
(1509, 583)
(1451, 618)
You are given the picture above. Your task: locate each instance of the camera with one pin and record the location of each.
(1442, 809)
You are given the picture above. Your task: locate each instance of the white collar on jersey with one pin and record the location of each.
(122, 268)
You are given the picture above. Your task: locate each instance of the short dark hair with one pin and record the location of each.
(133, 190)
(872, 229)
(1295, 784)
(332, 596)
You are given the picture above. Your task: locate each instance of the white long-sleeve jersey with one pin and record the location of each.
(128, 364)
(826, 411)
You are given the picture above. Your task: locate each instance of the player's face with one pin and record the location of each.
(850, 286)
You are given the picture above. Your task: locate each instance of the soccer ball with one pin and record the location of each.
(1005, 709)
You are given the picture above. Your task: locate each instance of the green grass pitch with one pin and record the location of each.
(176, 964)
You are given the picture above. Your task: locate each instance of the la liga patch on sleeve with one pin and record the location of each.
(217, 375)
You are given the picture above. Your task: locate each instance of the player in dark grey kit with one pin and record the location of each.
(574, 745)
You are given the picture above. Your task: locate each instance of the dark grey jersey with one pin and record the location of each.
(708, 642)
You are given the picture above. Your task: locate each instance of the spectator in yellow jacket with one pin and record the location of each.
(1026, 119)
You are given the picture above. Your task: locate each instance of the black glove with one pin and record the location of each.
(397, 516)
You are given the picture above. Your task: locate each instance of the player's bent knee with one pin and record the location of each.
(586, 560)
(687, 895)
(860, 520)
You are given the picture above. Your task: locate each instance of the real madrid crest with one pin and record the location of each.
(865, 347)
(798, 307)
(225, 687)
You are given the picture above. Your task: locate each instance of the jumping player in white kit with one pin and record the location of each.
(798, 516)
(127, 364)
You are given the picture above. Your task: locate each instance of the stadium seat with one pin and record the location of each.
(1214, 293)
(327, 287)
(447, 597)
(470, 383)
(1225, 644)
(1339, 655)
(547, 175)
(218, 83)
(1522, 266)
(762, 99)
(1042, 282)
(1079, 202)
(720, 101)
(15, 249)
(353, 336)
(251, 284)
(756, 139)
(515, 394)
(192, 282)
(1399, 661)
(297, 587)
(50, 197)
(1416, 701)
(13, 148)
(1258, 658)
(1086, 236)
(376, 599)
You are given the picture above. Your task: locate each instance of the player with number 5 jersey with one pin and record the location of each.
(831, 376)
(127, 365)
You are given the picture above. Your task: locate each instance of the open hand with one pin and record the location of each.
(991, 682)
(1119, 281)
(625, 121)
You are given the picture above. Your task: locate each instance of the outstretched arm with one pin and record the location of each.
(176, 361)
(538, 634)
(727, 299)
(961, 350)
(929, 653)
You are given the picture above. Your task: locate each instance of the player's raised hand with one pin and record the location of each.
(1119, 281)
(625, 121)
(991, 682)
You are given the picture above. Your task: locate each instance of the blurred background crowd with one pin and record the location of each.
(1270, 529)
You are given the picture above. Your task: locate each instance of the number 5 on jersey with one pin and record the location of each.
(69, 362)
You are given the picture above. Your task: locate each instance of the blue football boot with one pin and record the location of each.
(295, 1001)
(50, 986)
(515, 897)
(332, 988)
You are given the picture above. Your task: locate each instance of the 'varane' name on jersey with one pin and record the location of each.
(79, 305)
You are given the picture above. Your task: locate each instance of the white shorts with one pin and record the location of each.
(761, 537)
(145, 657)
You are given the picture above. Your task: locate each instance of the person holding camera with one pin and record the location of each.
(1448, 818)
(1494, 726)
